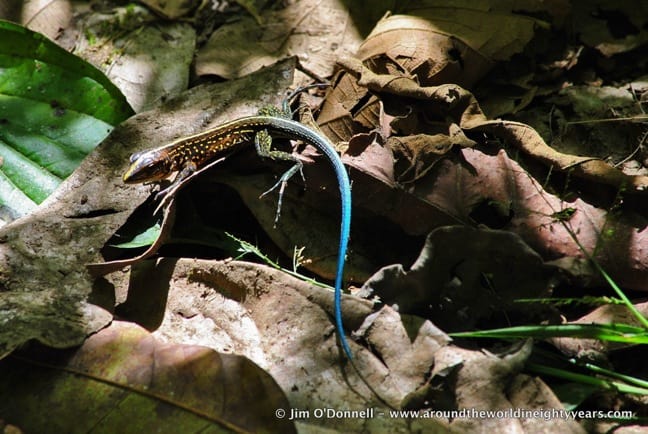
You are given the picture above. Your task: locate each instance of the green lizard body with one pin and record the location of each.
(188, 154)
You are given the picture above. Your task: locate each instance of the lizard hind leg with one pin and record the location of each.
(263, 145)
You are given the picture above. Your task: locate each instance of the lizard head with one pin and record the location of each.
(148, 166)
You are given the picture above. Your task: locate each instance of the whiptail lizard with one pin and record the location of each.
(188, 154)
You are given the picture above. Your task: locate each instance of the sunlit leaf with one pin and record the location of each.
(54, 109)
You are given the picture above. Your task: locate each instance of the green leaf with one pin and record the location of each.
(32, 51)
(54, 109)
(143, 239)
(20, 203)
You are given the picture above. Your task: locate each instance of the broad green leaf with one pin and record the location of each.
(36, 51)
(54, 109)
(20, 203)
(36, 183)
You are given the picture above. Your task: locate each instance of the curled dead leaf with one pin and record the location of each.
(428, 46)
(457, 269)
(432, 46)
(461, 105)
(417, 153)
(485, 381)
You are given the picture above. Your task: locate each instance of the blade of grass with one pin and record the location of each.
(586, 300)
(582, 378)
(602, 371)
(606, 332)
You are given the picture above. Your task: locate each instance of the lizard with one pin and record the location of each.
(188, 154)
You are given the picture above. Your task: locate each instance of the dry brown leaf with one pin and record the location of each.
(611, 26)
(406, 344)
(465, 181)
(456, 268)
(148, 60)
(347, 110)
(462, 106)
(422, 46)
(317, 31)
(438, 43)
(415, 155)
(483, 383)
(618, 240)
(48, 17)
(171, 9)
(286, 326)
(452, 100)
(592, 169)
(122, 380)
(594, 348)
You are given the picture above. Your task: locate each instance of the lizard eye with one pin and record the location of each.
(150, 163)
